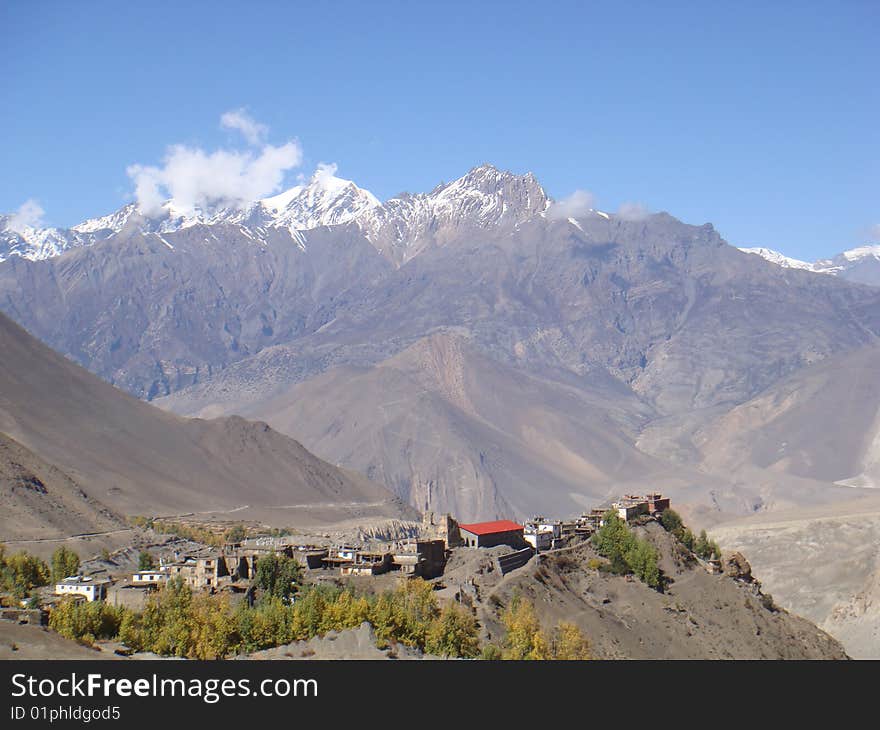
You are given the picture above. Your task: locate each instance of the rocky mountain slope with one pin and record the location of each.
(449, 428)
(136, 459)
(821, 563)
(39, 501)
(822, 422)
(698, 616)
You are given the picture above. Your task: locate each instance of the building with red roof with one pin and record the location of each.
(490, 534)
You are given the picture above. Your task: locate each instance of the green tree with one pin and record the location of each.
(702, 547)
(625, 552)
(65, 563)
(643, 560)
(613, 539)
(277, 575)
(671, 521)
(145, 561)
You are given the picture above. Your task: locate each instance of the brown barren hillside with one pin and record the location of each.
(136, 459)
(698, 616)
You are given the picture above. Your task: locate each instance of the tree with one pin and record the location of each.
(642, 559)
(524, 639)
(86, 621)
(277, 575)
(671, 521)
(65, 563)
(214, 629)
(167, 620)
(702, 547)
(614, 540)
(23, 572)
(453, 633)
(145, 561)
(625, 552)
(569, 643)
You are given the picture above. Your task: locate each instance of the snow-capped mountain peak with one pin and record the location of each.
(326, 200)
(778, 258)
(860, 264)
(484, 196)
(862, 252)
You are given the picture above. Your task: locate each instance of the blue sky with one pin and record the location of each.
(762, 120)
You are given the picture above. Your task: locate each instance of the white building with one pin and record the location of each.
(539, 539)
(80, 585)
(149, 577)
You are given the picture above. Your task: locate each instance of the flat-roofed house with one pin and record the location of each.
(538, 538)
(149, 577)
(657, 503)
(94, 589)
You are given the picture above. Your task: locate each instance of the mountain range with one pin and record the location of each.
(479, 348)
(620, 341)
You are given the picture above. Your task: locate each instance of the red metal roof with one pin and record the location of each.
(490, 528)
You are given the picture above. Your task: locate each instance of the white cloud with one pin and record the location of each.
(191, 177)
(325, 175)
(254, 132)
(576, 205)
(28, 215)
(633, 211)
(874, 233)
(325, 170)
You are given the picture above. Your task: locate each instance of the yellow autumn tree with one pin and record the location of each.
(569, 643)
(525, 639)
(453, 633)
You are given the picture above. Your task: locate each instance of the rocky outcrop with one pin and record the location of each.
(737, 567)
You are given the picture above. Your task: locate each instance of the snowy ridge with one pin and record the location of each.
(402, 226)
(484, 197)
(779, 259)
(861, 264)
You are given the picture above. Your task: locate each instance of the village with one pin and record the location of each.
(231, 567)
